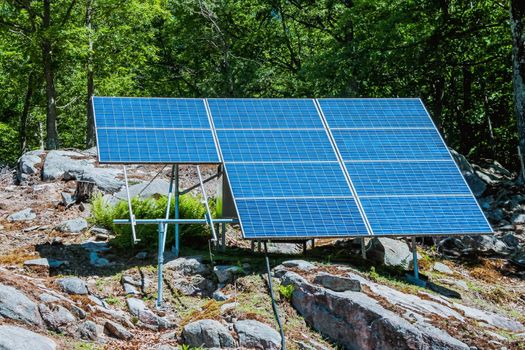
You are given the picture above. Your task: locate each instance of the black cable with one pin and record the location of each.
(274, 305)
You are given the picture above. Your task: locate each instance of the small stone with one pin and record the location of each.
(220, 296)
(67, 199)
(518, 219)
(130, 289)
(227, 307)
(141, 255)
(116, 330)
(40, 265)
(73, 226)
(99, 230)
(88, 330)
(130, 280)
(440, 267)
(56, 316)
(337, 283)
(299, 264)
(73, 285)
(31, 228)
(22, 215)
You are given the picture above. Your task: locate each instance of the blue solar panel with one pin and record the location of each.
(156, 146)
(375, 113)
(264, 113)
(424, 215)
(406, 178)
(275, 145)
(300, 218)
(153, 130)
(131, 112)
(390, 145)
(249, 180)
(402, 172)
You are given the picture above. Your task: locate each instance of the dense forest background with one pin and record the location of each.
(456, 55)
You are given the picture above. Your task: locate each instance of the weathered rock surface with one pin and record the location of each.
(356, 321)
(257, 335)
(16, 338)
(22, 215)
(155, 188)
(299, 264)
(73, 285)
(226, 273)
(207, 333)
(88, 330)
(73, 226)
(337, 283)
(389, 252)
(117, 330)
(440, 267)
(477, 186)
(145, 315)
(29, 161)
(70, 165)
(56, 316)
(190, 276)
(16, 305)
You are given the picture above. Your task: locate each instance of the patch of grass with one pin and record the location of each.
(210, 310)
(286, 291)
(190, 207)
(114, 301)
(86, 346)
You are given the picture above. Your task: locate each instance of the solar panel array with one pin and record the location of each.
(303, 168)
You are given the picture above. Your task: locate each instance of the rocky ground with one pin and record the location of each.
(63, 286)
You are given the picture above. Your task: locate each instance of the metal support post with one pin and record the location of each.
(414, 258)
(223, 237)
(206, 204)
(363, 249)
(168, 206)
(130, 208)
(176, 247)
(160, 263)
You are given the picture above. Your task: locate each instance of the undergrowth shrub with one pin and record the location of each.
(190, 207)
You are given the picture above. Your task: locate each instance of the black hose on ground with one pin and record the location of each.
(274, 304)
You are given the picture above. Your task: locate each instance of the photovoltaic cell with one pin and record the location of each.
(156, 146)
(300, 218)
(256, 180)
(153, 130)
(424, 215)
(371, 113)
(264, 113)
(275, 145)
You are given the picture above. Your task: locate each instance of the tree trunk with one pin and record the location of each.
(517, 11)
(22, 132)
(90, 127)
(51, 110)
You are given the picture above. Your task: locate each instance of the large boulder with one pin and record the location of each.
(475, 183)
(17, 306)
(356, 321)
(16, 338)
(256, 335)
(190, 276)
(28, 163)
(389, 252)
(337, 283)
(73, 165)
(155, 188)
(56, 316)
(207, 333)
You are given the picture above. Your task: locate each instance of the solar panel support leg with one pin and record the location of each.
(208, 211)
(223, 237)
(176, 246)
(414, 258)
(168, 206)
(160, 264)
(363, 249)
(130, 207)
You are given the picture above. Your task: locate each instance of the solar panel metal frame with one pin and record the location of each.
(211, 129)
(421, 234)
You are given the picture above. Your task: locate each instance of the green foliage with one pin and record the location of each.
(190, 207)
(455, 55)
(374, 276)
(286, 291)
(8, 145)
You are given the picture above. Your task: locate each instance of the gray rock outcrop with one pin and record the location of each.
(17, 306)
(73, 285)
(73, 226)
(257, 335)
(389, 252)
(22, 215)
(16, 338)
(207, 333)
